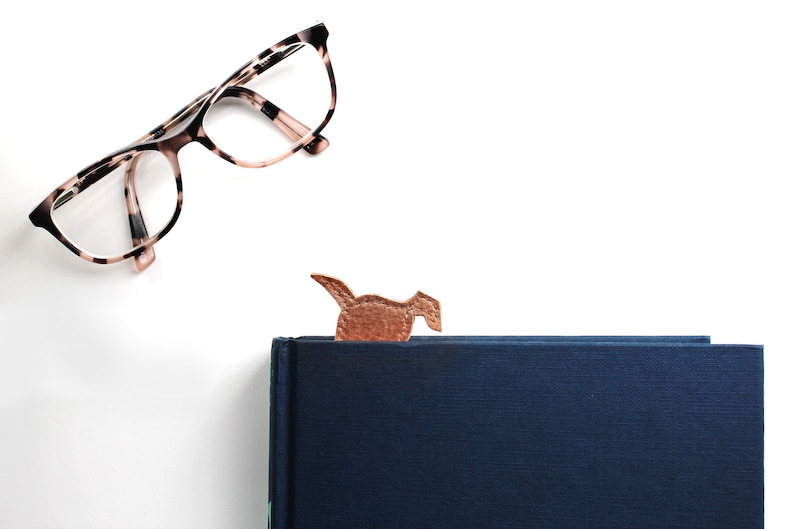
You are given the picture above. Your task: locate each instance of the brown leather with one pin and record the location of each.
(374, 318)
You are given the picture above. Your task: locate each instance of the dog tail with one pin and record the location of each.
(338, 289)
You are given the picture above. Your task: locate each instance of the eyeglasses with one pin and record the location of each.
(272, 107)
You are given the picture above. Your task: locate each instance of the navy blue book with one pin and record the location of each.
(516, 432)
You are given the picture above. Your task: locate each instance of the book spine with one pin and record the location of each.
(278, 480)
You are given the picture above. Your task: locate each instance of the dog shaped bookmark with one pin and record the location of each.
(374, 318)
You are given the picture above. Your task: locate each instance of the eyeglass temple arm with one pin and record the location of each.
(290, 126)
(87, 181)
(137, 225)
(294, 129)
(138, 230)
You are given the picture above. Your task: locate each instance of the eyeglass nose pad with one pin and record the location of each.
(317, 145)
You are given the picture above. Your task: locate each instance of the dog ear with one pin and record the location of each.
(429, 308)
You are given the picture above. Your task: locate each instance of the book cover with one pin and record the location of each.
(509, 432)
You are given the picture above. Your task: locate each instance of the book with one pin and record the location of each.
(509, 432)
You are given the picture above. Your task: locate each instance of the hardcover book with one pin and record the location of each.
(516, 432)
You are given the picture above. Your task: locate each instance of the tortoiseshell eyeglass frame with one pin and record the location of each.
(182, 128)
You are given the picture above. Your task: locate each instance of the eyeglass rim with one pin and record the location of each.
(193, 113)
(42, 215)
(315, 35)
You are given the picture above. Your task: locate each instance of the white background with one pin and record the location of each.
(563, 167)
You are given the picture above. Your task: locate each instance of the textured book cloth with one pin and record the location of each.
(516, 432)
